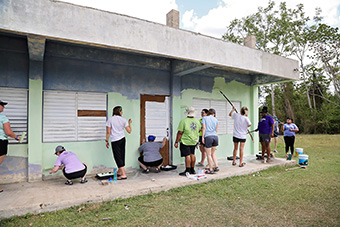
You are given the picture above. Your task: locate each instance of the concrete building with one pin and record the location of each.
(64, 67)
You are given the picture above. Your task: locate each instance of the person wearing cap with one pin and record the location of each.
(70, 165)
(210, 140)
(151, 156)
(5, 132)
(266, 131)
(187, 136)
(289, 130)
(115, 126)
(241, 124)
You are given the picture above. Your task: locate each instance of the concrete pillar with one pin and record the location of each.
(172, 18)
(36, 48)
(250, 41)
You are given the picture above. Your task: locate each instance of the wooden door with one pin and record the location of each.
(155, 121)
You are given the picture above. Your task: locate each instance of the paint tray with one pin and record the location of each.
(103, 176)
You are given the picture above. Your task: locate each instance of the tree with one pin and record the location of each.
(275, 31)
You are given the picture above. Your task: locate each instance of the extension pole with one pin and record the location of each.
(251, 136)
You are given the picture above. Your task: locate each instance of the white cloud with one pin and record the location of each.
(217, 19)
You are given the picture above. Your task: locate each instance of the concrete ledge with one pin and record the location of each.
(52, 195)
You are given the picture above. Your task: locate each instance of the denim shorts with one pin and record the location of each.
(211, 141)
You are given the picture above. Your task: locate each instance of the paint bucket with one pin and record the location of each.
(298, 151)
(303, 160)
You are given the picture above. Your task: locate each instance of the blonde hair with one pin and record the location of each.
(244, 111)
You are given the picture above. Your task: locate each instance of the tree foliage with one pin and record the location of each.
(288, 32)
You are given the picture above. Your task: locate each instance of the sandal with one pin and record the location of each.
(209, 172)
(1, 190)
(216, 169)
(234, 164)
(157, 170)
(68, 182)
(242, 165)
(146, 171)
(83, 181)
(199, 164)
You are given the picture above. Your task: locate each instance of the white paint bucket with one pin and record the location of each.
(298, 151)
(303, 160)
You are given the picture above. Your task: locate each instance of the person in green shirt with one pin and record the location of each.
(187, 135)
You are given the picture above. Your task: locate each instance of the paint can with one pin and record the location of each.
(303, 160)
(298, 151)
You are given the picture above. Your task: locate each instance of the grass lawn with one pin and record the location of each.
(273, 197)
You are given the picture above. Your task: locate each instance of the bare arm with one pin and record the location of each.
(178, 138)
(9, 132)
(231, 112)
(55, 169)
(108, 131)
(164, 141)
(128, 128)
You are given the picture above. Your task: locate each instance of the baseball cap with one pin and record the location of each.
(59, 149)
(3, 103)
(151, 138)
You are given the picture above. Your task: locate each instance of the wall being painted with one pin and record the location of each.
(235, 91)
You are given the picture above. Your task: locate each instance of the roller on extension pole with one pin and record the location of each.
(251, 136)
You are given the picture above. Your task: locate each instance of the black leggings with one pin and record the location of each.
(118, 149)
(289, 141)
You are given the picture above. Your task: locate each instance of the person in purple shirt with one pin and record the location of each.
(289, 130)
(69, 163)
(266, 130)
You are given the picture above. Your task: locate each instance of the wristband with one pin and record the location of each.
(106, 141)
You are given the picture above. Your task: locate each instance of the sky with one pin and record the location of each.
(208, 17)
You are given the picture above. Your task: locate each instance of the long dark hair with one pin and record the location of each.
(116, 111)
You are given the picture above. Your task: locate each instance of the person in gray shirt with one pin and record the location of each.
(151, 156)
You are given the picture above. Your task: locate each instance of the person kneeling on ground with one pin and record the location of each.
(72, 169)
(151, 156)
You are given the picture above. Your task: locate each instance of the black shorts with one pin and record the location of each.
(3, 147)
(186, 149)
(200, 141)
(155, 163)
(211, 141)
(265, 138)
(74, 175)
(118, 150)
(238, 140)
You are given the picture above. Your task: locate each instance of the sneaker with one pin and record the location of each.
(183, 173)
(192, 171)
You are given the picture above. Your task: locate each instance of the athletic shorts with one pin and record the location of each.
(238, 140)
(74, 175)
(186, 149)
(3, 147)
(118, 150)
(265, 138)
(276, 134)
(211, 141)
(154, 163)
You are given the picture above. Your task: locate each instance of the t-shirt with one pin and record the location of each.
(190, 127)
(200, 133)
(117, 125)
(210, 125)
(3, 120)
(71, 162)
(265, 124)
(286, 128)
(151, 151)
(241, 123)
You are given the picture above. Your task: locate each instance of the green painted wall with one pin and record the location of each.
(235, 91)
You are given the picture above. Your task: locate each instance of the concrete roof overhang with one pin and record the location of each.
(152, 45)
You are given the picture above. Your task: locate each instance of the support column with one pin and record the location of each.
(254, 118)
(36, 48)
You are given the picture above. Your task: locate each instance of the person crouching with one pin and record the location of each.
(151, 156)
(72, 169)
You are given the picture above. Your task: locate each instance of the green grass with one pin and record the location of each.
(273, 197)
